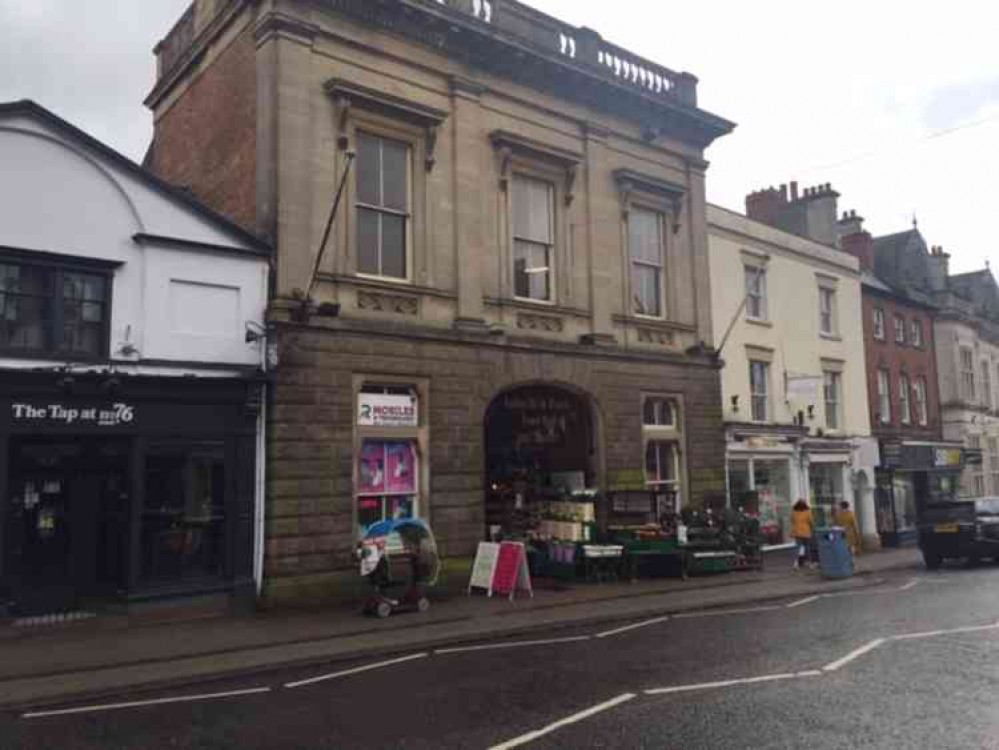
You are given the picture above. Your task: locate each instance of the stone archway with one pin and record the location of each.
(540, 441)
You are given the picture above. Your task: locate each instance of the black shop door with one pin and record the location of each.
(67, 506)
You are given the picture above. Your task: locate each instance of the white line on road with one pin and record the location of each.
(839, 663)
(515, 644)
(910, 585)
(356, 670)
(732, 683)
(954, 631)
(633, 626)
(531, 736)
(723, 612)
(801, 602)
(140, 704)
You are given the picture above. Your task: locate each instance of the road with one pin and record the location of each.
(912, 663)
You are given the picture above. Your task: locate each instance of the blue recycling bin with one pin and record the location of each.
(835, 557)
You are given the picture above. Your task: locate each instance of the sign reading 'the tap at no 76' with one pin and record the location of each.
(110, 415)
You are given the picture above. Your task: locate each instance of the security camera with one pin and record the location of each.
(254, 332)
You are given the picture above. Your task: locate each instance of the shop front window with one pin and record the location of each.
(389, 478)
(905, 504)
(762, 488)
(826, 484)
(183, 521)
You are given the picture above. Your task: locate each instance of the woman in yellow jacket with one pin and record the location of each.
(846, 520)
(801, 532)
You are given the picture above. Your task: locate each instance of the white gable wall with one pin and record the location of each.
(57, 196)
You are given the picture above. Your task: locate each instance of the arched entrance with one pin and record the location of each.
(540, 445)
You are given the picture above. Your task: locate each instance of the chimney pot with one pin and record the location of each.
(794, 190)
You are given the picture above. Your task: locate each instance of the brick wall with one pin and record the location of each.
(898, 358)
(310, 522)
(206, 140)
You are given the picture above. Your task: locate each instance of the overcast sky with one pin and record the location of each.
(895, 103)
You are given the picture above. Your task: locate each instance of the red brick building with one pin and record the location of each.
(902, 381)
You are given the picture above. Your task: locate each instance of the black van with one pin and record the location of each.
(967, 529)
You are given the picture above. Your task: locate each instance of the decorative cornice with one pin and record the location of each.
(348, 95)
(506, 144)
(396, 106)
(629, 182)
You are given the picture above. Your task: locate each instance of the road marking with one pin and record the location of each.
(954, 631)
(801, 602)
(356, 670)
(515, 644)
(839, 663)
(723, 612)
(910, 585)
(140, 704)
(733, 683)
(531, 736)
(633, 626)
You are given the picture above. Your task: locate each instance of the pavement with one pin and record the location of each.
(102, 657)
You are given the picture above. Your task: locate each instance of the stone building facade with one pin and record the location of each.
(521, 230)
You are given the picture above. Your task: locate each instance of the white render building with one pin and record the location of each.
(131, 381)
(787, 318)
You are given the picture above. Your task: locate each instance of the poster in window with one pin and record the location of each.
(373, 468)
(401, 467)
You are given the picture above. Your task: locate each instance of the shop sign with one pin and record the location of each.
(385, 410)
(891, 455)
(115, 415)
(803, 388)
(948, 457)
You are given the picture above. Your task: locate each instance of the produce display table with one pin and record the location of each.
(602, 561)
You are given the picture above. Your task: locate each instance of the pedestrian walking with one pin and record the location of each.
(801, 532)
(846, 519)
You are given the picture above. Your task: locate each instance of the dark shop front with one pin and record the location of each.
(119, 489)
(911, 474)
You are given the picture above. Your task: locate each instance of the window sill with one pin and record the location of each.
(546, 303)
(760, 322)
(830, 337)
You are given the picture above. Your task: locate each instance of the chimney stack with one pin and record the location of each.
(811, 213)
(938, 265)
(855, 240)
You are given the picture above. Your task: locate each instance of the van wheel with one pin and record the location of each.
(933, 560)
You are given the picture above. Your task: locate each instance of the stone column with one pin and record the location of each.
(695, 223)
(599, 240)
(469, 162)
(287, 110)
